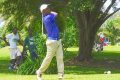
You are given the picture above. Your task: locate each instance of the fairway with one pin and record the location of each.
(67, 77)
(72, 72)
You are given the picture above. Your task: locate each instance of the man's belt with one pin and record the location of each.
(50, 38)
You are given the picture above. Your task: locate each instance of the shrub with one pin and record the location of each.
(29, 66)
(70, 34)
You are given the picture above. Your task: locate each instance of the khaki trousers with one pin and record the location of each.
(54, 48)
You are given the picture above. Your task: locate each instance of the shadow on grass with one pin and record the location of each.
(103, 61)
(4, 67)
(107, 55)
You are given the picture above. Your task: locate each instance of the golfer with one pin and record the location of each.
(53, 43)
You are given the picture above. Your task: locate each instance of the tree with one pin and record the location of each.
(90, 15)
(112, 29)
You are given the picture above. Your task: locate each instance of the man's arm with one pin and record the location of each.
(54, 13)
(7, 43)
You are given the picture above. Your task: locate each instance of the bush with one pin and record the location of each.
(29, 66)
(70, 34)
(2, 43)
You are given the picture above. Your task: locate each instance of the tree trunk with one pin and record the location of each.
(86, 42)
(87, 32)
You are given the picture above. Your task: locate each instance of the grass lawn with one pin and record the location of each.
(109, 59)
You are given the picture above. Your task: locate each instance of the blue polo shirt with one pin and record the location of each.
(51, 26)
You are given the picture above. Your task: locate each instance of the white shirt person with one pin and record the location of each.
(12, 38)
(15, 54)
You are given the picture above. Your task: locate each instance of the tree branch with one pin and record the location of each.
(111, 14)
(109, 7)
(98, 5)
(104, 19)
(97, 10)
(107, 10)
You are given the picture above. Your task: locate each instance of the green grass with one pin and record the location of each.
(95, 71)
(67, 77)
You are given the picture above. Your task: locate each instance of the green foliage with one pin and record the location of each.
(80, 5)
(2, 43)
(61, 22)
(112, 30)
(25, 13)
(70, 34)
(28, 67)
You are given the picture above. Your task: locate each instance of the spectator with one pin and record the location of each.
(15, 54)
(29, 42)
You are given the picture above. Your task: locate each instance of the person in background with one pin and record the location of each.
(102, 37)
(15, 54)
(29, 42)
(53, 43)
(101, 40)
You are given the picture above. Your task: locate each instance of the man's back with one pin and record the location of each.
(51, 26)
